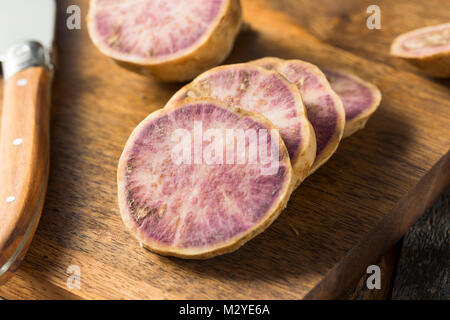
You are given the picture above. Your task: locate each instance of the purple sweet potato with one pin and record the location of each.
(253, 88)
(428, 48)
(360, 98)
(173, 40)
(198, 209)
(324, 108)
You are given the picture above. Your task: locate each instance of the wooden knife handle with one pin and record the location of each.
(24, 159)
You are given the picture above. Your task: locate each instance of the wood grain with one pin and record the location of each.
(24, 156)
(343, 23)
(347, 214)
(388, 265)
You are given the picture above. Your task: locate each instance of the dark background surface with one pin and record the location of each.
(423, 271)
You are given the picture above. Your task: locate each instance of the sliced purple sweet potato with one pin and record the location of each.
(192, 207)
(253, 88)
(324, 108)
(171, 39)
(360, 98)
(428, 48)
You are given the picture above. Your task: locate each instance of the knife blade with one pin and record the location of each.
(26, 42)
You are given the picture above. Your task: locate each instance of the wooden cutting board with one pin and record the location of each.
(341, 220)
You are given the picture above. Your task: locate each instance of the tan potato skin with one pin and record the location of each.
(304, 160)
(436, 65)
(211, 50)
(231, 244)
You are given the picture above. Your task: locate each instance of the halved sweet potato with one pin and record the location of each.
(196, 208)
(171, 39)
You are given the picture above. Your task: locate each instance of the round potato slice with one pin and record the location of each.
(190, 187)
(173, 40)
(360, 98)
(324, 108)
(428, 48)
(255, 89)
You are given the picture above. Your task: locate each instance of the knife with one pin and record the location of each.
(26, 43)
